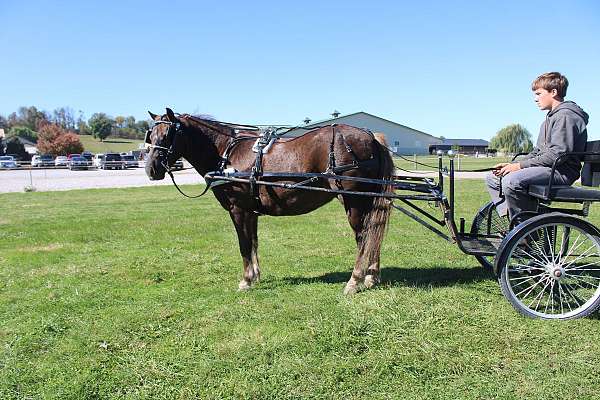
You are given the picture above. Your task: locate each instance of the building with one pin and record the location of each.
(464, 146)
(401, 139)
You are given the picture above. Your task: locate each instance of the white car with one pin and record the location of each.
(45, 160)
(8, 162)
(61, 161)
(97, 160)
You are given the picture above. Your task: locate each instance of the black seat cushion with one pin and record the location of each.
(564, 193)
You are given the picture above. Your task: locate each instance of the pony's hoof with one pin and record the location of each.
(243, 286)
(350, 289)
(371, 281)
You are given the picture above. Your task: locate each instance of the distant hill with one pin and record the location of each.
(109, 145)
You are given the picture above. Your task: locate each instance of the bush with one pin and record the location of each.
(53, 139)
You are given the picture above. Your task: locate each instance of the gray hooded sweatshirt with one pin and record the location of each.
(564, 130)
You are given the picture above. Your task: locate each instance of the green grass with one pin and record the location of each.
(131, 294)
(109, 145)
(466, 162)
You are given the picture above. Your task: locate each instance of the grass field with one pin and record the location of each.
(465, 162)
(109, 145)
(131, 294)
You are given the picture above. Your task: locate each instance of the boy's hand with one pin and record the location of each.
(506, 169)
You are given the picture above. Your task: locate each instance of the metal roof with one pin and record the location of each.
(323, 121)
(465, 142)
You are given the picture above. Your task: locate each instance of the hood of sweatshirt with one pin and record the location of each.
(569, 106)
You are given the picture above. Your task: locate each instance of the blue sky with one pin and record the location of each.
(457, 69)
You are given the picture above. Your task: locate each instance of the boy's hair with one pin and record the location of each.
(552, 80)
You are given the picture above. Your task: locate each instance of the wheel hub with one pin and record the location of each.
(556, 272)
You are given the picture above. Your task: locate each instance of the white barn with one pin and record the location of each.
(401, 138)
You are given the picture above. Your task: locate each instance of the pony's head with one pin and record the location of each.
(164, 140)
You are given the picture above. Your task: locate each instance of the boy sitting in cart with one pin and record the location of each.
(563, 130)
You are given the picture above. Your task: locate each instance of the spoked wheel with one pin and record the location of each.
(488, 222)
(549, 267)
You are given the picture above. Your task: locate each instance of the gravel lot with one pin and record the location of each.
(63, 179)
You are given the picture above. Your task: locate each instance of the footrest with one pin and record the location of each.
(479, 245)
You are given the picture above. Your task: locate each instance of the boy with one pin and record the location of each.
(563, 130)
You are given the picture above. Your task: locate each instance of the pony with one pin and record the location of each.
(210, 145)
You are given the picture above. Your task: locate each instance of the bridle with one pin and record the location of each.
(175, 130)
(165, 152)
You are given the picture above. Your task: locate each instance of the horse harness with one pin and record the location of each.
(264, 142)
(262, 145)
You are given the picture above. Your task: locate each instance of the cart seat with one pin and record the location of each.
(564, 193)
(590, 177)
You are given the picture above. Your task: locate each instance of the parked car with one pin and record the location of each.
(8, 162)
(78, 163)
(88, 156)
(45, 160)
(97, 160)
(111, 161)
(130, 161)
(69, 156)
(61, 161)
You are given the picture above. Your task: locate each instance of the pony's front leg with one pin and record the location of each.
(246, 224)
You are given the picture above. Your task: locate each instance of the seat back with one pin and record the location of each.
(590, 173)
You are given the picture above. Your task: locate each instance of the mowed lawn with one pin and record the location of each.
(131, 294)
(109, 145)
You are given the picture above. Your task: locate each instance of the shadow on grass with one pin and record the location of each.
(397, 276)
(129, 141)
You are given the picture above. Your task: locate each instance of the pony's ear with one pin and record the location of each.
(152, 115)
(171, 115)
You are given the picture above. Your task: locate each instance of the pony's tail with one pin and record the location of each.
(376, 220)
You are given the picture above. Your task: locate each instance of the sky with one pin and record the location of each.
(458, 69)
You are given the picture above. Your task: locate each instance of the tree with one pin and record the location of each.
(14, 146)
(68, 143)
(64, 118)
(513, 138)
(30, 117)
(100, 126)
(24, 132)
(120, 121)
(53, 139)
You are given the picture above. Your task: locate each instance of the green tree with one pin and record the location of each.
(101, 126)
(513, 138)
(24, 132)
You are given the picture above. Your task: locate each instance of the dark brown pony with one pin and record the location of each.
(202, 143)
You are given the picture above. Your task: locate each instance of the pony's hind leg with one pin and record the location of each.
(356, 211)
(246, 226)
(369, 224)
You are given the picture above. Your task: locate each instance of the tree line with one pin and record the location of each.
(57, 132)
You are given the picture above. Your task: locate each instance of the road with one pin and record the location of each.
(44, 180)
(63, 179)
